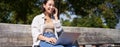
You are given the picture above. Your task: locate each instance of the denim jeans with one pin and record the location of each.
(46, 44)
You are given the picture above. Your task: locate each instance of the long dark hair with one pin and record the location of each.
(44, 2)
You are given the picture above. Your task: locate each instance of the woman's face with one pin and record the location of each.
(49, 6)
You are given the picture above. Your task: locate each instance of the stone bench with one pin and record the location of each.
(18, 35)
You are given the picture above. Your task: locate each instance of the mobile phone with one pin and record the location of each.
(54, 11)
(53, 14)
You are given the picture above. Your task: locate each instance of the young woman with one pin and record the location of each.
(46, 26)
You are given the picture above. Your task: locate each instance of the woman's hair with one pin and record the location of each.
(44, 2)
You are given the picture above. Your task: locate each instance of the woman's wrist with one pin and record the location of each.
(45, 38)
(56, 18)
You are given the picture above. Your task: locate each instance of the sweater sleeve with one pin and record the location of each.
(58, 25)
(36, 29)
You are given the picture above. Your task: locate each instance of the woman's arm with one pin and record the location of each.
(49, 40)
(37, 29)
(35, 26)
(57, 22)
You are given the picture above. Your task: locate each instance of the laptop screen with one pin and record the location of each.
(67, 38)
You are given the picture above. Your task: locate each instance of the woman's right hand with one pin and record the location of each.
(51, 40)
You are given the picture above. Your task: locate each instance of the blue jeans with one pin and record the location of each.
(46, 44)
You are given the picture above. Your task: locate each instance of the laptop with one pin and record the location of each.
(67, 38)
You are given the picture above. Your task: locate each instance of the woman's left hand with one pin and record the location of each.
(56, 13)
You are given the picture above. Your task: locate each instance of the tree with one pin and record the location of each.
(18, 11)
(91, 13)
(86, 9)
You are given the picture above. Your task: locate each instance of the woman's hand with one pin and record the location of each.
(56, 13)
(51, 40)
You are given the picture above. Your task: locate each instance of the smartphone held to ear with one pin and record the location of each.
(54, 11)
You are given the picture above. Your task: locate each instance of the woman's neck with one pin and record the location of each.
(47, 16)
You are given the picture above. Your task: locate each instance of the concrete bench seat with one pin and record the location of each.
(19, 35)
